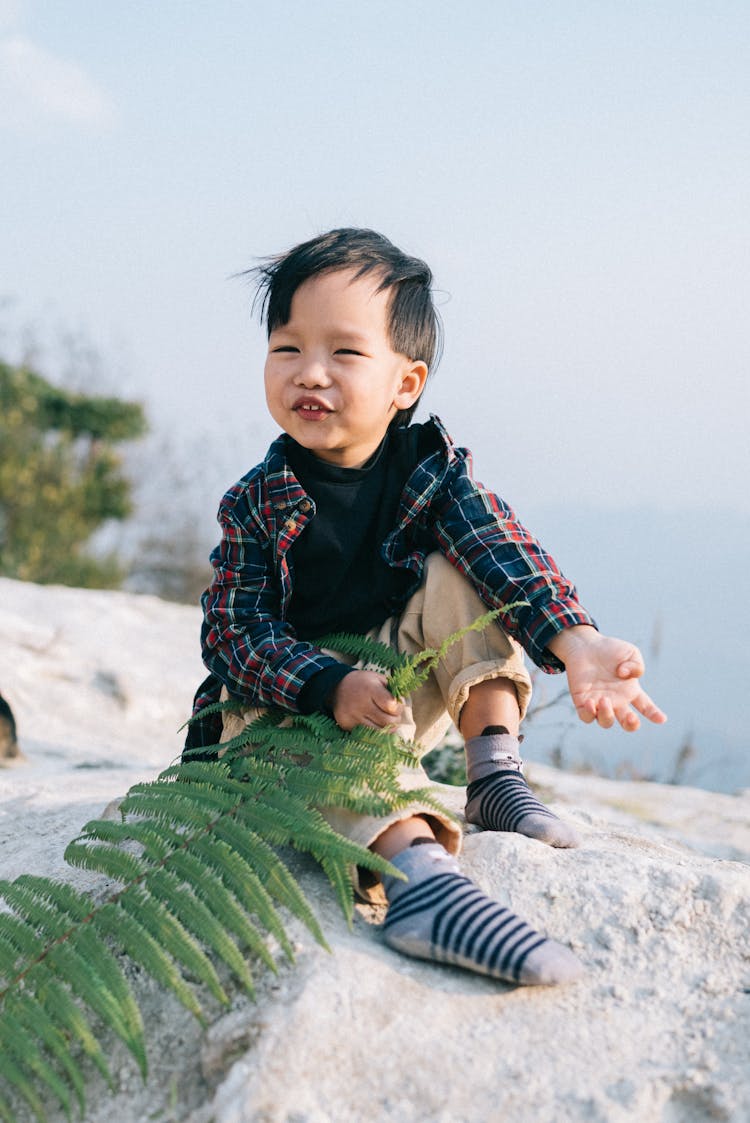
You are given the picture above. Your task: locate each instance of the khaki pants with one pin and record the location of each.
(444, 602)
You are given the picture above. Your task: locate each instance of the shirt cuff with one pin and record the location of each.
(541, 654)
(314, 697)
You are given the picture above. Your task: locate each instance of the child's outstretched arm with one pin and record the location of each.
(603, 678)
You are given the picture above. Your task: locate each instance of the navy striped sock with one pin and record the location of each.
(439, 914)
(498, 797)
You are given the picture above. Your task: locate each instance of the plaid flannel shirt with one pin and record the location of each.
(250, 648)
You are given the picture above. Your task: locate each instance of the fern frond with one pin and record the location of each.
(392, 750)
(191, 806)
(340, 878)
(370, 652)
(231, 705)
(94, 973)
(115, 863)
(336, 791)
(168, 932)
(17, 1078)
(57, 1002)
(156, 839)
(246, 886)
(198, 919)
(44, 1028)
(277, 879)
(22, 1046)
(18, 941)
(314, 835)
(135, 939)
(408, 678)
(95, 976)
(219, 898)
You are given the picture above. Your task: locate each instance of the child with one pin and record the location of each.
(359, 521)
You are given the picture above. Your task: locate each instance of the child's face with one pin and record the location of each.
(333, 381)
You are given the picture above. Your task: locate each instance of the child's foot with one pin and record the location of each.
(498, 797)
(438, 914)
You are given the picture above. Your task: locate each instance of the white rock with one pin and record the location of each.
(656, 903)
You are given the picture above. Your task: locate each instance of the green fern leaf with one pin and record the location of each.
(406, 679)
(5, 1112)
(231, 705)
(43, 1027)
(19, 942)
(16, 1077)
(315, 836)
(339, 875)
(246, 886)
(24, 1049)
(95, 976)
(60, 1006)
(190, 807)
(156, 839)
(277, 879)
(220, 900)
(197, 918)
(106, 859)
(167, 931)
(366, 650)
(135, 939)
(90, 969)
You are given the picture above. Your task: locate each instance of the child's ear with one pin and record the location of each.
(412, 384)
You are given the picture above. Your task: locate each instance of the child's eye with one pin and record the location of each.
(286, 349)
(347, 351)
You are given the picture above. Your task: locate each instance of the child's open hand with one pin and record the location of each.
(362, 698)
(603, 678)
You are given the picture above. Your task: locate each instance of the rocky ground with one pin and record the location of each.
(656, 903)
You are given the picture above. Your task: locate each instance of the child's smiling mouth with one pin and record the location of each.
(311, 409)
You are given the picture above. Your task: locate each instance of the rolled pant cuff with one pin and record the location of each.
(483, 672)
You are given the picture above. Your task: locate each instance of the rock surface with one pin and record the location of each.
(656, 903)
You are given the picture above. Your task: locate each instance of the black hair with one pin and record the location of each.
(414, 325)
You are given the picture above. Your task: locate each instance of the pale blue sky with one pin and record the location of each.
(577, 174)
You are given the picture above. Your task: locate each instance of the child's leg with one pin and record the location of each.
(484, 686)
(368, 830)
(497, 795)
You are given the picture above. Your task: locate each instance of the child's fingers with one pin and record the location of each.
(605, 714)
(649, 709)
(587, 711)
(628, 720)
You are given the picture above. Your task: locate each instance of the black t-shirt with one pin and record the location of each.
(341, 583)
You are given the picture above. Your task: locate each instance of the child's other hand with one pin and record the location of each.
(603, 677)
(362, 698)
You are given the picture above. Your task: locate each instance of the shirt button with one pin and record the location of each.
(305, 505)
(290, 524)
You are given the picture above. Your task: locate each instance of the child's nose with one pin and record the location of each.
(312, 372)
